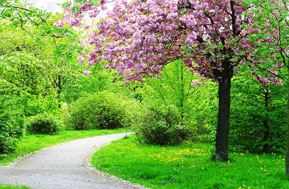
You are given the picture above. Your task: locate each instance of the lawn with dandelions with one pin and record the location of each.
(189, 166)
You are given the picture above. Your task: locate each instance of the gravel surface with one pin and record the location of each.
(63, 166)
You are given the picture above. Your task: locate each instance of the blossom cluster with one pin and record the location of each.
(76, 12)
(139, 37)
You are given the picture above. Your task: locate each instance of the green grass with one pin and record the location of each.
(32, 143)
(13, 187)
(189, 167)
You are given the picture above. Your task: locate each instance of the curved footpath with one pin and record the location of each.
(63, 166)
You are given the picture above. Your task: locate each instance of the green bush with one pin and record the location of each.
(44, 124)
(197, 106)
(38, 104)
(258, 118)
(162, 126)
(12, 125)
(103, 110)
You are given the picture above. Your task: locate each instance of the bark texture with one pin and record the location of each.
(222, 135)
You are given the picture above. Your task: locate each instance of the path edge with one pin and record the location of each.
(23, 157)
(87, 164)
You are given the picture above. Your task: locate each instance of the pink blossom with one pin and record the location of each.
(86, 72)
(81, 45)
(279, 83)
(139, 37)
(80, 59)
(195, 83)
(187, 61)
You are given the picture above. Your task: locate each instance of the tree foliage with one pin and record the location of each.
(212, 37)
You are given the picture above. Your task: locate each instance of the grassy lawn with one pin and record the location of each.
(189, 167)
(32, 143)
(13, 187)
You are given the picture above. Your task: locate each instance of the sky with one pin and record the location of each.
(52, 5)
(49, 5)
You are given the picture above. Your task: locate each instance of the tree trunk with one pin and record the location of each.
(287, 147)
(222, 135)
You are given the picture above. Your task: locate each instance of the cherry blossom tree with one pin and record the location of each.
(212, 37)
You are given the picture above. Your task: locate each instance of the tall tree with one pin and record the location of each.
(139, 37)
(55, 48)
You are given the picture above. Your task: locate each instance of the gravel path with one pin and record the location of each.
(62, 166)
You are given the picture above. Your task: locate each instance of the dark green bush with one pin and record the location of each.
(258, 117)
(44, 124)
(162, 126)
(12, 125)
(103, 110)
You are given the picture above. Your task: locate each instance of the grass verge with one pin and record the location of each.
(32, 143)
(13, 187)
(188, 167)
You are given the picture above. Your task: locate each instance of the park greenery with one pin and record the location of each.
(189, 166)
(203, 84)
(13, 187)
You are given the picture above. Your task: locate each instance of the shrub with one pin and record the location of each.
(196, 105)
(38, 104)
(44, 124)
(12, 125)
(258, 117)
(162, 126)
(103, 110)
